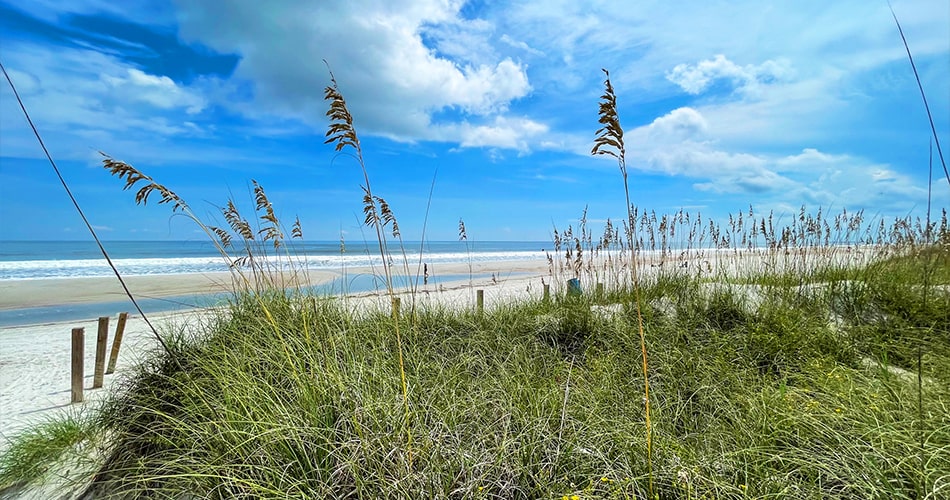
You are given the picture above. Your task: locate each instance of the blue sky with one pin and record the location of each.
(724, 104)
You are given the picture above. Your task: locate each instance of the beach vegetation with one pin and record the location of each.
(756, 394)
(32, 456)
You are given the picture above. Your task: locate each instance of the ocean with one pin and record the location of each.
(38, 260)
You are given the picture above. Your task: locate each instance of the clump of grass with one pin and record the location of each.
(772, 402)
(378, 214)
(265, 273)
(35, 452)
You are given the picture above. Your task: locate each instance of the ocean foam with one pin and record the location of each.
(84, 268)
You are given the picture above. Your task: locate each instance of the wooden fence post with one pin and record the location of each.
(396, 302)
(102, 339)
(480, 300)
(547, 292)
(600, 290)
(117, 342)
(77, 363)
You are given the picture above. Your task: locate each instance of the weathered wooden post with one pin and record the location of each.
(102, 339)
(480, 300)
(396, 302)
(547, 292)
(117, 342)
(77, 363)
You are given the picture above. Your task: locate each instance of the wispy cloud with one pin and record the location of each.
(158, 90)
(83, 93)
(511, 133)
(518, 44)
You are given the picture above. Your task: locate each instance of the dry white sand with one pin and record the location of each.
(35, 369)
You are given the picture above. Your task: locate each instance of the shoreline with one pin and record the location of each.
(28, 296)
(31, 293)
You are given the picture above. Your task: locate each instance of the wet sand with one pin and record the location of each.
(17, 294)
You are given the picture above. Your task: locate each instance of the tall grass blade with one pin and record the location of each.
(920, 348)
(923, 96)
(342, 132)
(82, 215)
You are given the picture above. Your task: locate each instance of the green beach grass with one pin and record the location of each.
(805, 395)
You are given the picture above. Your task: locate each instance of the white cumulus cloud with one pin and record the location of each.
(695, 78)
(682, 123)
(397, 63)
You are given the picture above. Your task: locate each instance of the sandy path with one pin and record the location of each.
(35, 367)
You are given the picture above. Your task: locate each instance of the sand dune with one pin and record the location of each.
(35, 359)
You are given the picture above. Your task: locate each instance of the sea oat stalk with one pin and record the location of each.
(609, 141)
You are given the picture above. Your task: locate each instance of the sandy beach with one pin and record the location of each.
(35, 359)
(45, 292)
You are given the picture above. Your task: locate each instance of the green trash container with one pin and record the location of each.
(573, 287)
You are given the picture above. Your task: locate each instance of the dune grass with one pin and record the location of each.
(40, 447)
(803, 395)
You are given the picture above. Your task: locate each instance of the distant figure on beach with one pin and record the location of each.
(425, 274)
